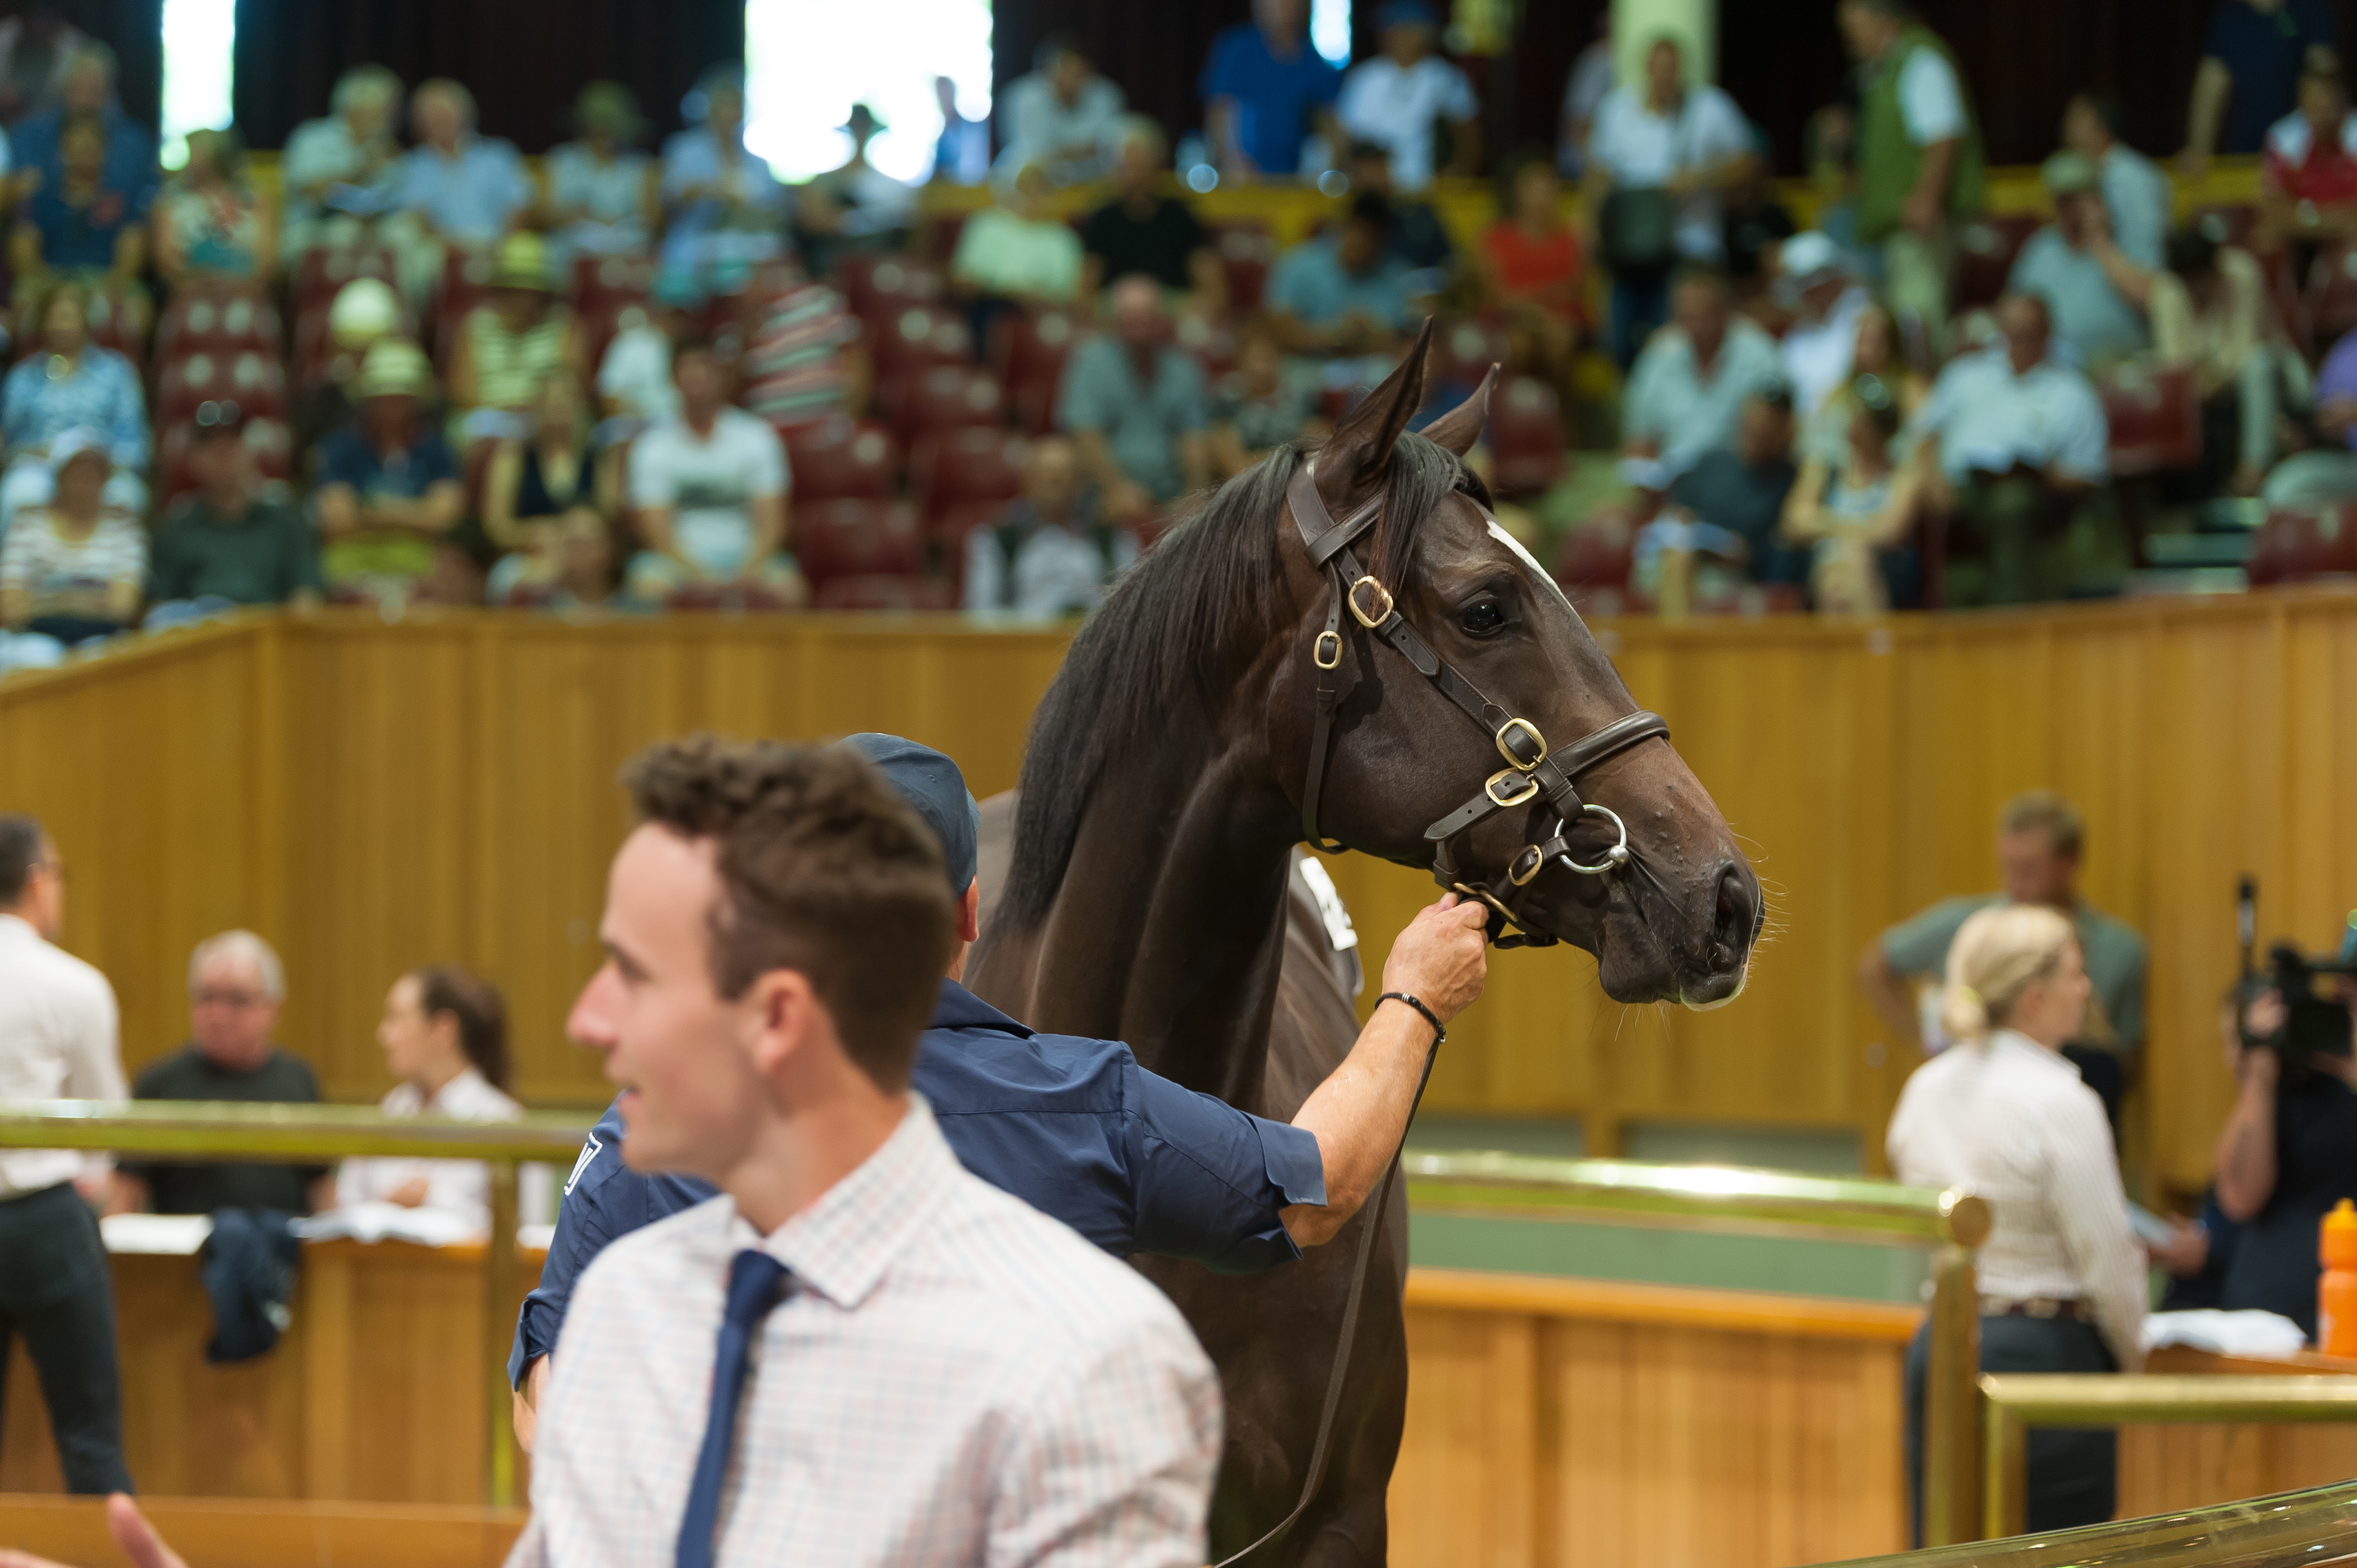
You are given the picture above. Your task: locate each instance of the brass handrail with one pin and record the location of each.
(2015, 1402)
(1725, 1198)
(279, 1135)
(2313, 1528)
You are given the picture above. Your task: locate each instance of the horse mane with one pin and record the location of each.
(1172, 637)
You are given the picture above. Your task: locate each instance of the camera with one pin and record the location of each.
(2316, 1021)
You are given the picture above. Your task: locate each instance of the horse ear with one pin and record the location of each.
(1461, 426)
(1356, 454)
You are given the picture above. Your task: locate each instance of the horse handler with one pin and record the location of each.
(1075, 1127)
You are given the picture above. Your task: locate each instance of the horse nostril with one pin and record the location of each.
(1737, 916)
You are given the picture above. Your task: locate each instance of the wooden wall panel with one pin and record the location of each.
(374, 796)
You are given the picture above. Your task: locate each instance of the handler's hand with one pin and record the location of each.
(1442, 957)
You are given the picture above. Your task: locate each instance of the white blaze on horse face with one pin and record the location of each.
(1546, 578)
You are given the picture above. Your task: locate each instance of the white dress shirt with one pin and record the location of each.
(2012, 1121)
(1988, 417)
(1400, 106)
(58, 1040)
(1818, 355)
(462, 1188)
(1643, 149)
(1672, 402)
(953, 1379)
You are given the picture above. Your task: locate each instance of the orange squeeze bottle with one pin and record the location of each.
(2335, 1292)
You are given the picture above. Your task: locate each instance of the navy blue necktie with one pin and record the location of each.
(754, 1287)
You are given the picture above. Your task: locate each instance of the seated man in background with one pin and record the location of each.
(388, 493)
(1404, 95)
(1048, 555)
(601, 187)
(1416, 235)
(724, 211)
(1343, 293)
(1686, 393)
(711, 487)
(803, 358)
(458, 189)
(1063, 116)
(236, 987)
(343, 167)
(228, 544)
(1133, 405)
(855, 205)
(1143, 232)
(2095, 294)
(86, 90)
(83, 228)
(1742, 488)
(2286, 1156)
(2137, 197)
(2021, 440)
(2039, 838)
(365, 311)
(1265, 91)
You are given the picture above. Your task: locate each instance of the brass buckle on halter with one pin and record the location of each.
(1362, 617)
(1537, 740)
(1318, 649)
(1528, 790)
(1516, 873)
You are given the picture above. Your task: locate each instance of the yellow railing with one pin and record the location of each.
(288, 1133)
(2013, 1404)
(1951, 1224)
(2314, 1528)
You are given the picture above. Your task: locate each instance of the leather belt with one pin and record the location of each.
(2074, 1310)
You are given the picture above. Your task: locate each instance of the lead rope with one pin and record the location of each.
(1372, 1218)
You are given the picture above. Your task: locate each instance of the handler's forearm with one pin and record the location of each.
(1359, 1115)
(1886, 992)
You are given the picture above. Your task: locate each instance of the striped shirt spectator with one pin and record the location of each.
(795, 367)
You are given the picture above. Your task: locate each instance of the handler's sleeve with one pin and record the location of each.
(1211, 1180)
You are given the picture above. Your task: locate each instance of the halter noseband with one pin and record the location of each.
(1532, 770)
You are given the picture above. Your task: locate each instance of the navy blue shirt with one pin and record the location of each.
(1075, 1128)
(2263, 53)
(1274, 97)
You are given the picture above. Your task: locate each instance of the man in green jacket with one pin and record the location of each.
(1918, 157)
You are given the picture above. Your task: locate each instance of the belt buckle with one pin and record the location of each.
(1369, 621)
(1318, 648)
(1528, 790)
(1537, 739)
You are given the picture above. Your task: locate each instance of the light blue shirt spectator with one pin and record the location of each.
(1142, 423)
(1312, 285)
(1073, 143)
(706, 231)
(1056, 570)
(1688, 410)
(2090, 314)
(469, 195)
(2139, 199)
(1987, 418)
(610, 195)
(101, 394)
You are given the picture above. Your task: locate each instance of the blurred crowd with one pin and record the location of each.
(418, 366)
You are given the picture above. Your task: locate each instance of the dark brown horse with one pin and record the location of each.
(1161, 799)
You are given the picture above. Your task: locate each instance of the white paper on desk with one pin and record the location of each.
(2265, 1335)
(387, 1222)
(168, 1235)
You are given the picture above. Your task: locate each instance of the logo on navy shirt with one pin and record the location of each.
(589, 1151)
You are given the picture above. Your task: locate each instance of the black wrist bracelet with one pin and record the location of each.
(1431, 1017)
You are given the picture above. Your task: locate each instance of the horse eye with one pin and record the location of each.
(1482, 618)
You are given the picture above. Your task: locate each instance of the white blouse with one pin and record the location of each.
(462, 1188)
(2011, 1120)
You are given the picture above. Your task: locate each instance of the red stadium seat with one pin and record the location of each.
(608, 283)
(212, 319)
(2330, 301)
(1247, 256)
(892, 592)
(1027, 343)
(322, 271)
(740, 598)
(2155, 420)
(1213, 344)
(947, 397)
(892, 286)
(1462, 353)
(2302, 543)
(837, 459)
(918, 335)
(949, 529)
(951, 466)
(1526, 436)
(857, 537)
(255, 381)
(1984, 252)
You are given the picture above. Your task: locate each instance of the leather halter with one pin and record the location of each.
(1532, 772)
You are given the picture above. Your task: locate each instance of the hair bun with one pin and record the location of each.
(1962, 1014)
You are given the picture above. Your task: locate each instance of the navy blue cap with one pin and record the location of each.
(932, 784)
(1408, 14)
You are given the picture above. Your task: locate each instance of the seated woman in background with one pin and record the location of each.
(445, 1037)
(602, 188)
(509, 347)
(2062, 1281)
(73, 569)
(1014, 255)
(1531, 270)
(1858, 515)
(211, 223)
(535, 488)
(575, 572)
(1878, 354)
(1265, 402)
(82, 229)
(70, 383)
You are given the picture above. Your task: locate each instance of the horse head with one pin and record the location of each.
(1456, 651)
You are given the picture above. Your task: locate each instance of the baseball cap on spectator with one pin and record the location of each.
(932, 785)
(2067, 173)
(1809, 255)
(365, 309)
(395, 367)
(521, 261)
(1407, 13)
(83, 440)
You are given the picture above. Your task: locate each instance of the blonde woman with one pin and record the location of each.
(2000, 1111)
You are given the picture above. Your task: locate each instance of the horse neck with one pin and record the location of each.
(1169, 929)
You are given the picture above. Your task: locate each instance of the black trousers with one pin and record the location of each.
(57, 1291)
(2074, 1473)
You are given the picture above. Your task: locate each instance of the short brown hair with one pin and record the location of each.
(2043, 811)
(825, 871)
